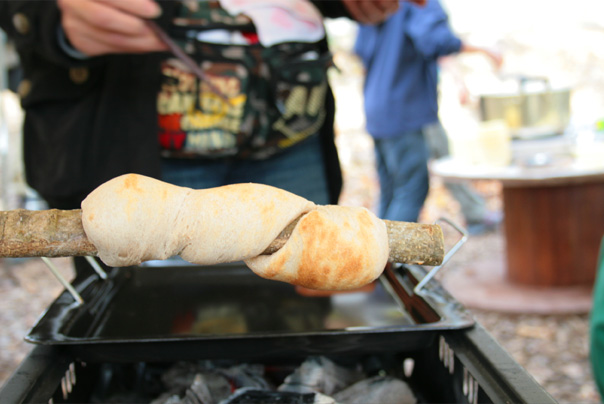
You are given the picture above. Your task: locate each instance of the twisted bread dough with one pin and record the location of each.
(133, 218)
(331, 248)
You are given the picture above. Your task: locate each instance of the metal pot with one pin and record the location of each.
(535, 109)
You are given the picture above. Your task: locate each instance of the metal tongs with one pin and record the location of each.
(186, 59)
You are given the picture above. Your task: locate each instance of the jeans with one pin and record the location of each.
(299, 170)
(404, 180)
(402, 166)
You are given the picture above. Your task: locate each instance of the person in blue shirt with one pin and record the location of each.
(400, 57)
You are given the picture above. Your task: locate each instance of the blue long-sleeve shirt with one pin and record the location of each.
(400, 59)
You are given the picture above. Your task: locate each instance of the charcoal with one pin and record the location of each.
(168, 399)
(206, 388)
(199, 392)
(377, 389)
(317, 380)
(206, 382)
(180, 376)
(321, 375)
(257, 396)
(246, 375)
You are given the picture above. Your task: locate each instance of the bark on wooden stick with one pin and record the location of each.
(59, 233)
(43, 233)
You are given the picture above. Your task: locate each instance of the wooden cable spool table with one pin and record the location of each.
(554, 218)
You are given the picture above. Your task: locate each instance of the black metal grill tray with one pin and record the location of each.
(163, 313)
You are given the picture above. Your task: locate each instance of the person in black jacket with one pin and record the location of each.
(92, 74)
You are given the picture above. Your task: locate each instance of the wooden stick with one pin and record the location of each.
(59, 233)
(43, 233)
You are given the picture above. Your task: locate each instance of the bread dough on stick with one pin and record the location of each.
(235, 222)
(132, 218)
(331, 248)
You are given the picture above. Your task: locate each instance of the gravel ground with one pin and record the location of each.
(553, 348)
(27, 287)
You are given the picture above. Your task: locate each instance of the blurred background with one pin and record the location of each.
(558, 41)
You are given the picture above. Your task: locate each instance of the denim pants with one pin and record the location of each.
(299, 170)
(402, 166)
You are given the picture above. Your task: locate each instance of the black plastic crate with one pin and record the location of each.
(460, 366)
(122, 336)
